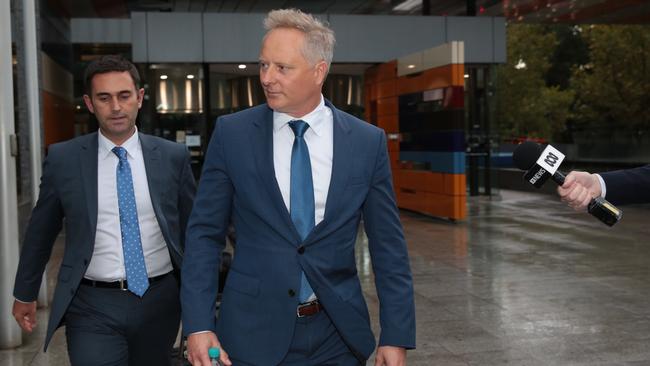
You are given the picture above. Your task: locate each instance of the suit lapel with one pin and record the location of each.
(151, 157)
(156, 179)
(341, 157)
(262, 143)
(88, 157)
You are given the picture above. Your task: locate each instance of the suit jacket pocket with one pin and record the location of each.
(64, 273)
(243, 283)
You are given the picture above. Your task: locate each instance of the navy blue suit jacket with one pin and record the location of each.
(68, 191)
(628, 186)
(258, 310)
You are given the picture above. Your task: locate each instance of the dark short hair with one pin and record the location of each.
(109, 63)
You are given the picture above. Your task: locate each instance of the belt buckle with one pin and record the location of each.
(300, 306)
(304, 305)
(123, 286)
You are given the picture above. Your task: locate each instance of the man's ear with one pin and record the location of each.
(321, 72)
(89, 104)
(140, 97)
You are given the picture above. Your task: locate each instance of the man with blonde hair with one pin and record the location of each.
(295, 176)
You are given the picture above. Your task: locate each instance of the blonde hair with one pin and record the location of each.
(319, 38)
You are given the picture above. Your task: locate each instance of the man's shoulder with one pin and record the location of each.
(161, 143)
(65, 147)
(173, 154)
(248, 115)
(355, 123)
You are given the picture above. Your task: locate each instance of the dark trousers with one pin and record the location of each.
(111, 327)
(316, 342)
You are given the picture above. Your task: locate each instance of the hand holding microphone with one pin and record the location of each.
(579, 189)
(542, 164)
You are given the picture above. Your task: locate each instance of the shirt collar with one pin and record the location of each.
(106, 146)
(316, 118)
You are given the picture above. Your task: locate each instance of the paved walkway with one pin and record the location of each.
(523, 281)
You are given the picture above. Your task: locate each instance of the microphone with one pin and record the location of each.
(542, 164)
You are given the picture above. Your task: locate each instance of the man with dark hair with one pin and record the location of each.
(125, 198)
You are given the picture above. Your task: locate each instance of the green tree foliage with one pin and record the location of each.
(613, 88)
(571, 50)
(525, 105)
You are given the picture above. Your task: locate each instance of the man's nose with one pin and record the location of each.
(267, 76)
(115, 104)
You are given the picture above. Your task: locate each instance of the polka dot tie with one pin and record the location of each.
(301, 194)
(136, 270)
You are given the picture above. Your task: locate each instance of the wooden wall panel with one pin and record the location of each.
(387, 106)
(440, 77)
(58, 119)
(389, 122)
(433, 193)
(387, 71)
(386, 88)
(455, 184)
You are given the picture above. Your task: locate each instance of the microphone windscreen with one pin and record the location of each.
(526, 154)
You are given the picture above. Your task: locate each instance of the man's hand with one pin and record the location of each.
(25, 315)
(579, 189)
(390, 356)
(197, 349)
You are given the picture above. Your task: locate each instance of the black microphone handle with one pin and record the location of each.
(558, 178)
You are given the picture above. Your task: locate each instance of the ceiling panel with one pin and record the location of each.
(347, 6)
(265, 6)
(532, 11)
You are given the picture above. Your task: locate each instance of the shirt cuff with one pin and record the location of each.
(603, 187)
(23, 302)
(199, 332)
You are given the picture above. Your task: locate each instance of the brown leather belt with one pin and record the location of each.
(121, 284)
(308, 308)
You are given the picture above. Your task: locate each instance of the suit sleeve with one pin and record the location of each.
(205, 240)
(628, 186)
(44, 225)
(185, 194)
(389, 256)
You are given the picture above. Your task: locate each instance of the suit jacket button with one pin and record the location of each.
(292, 293)
(72, 292)
(85, 262)
(301, 249)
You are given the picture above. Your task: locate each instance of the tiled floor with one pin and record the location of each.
(523, 281)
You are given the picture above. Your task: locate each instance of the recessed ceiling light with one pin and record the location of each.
(190, 76)
(241, 66)
(163, 77)
(411, 66)
(407, 5)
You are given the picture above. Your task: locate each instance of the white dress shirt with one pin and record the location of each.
(603, 187)
(320, 142)
(107, 262)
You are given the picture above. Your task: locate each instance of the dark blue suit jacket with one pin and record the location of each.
(258, 310)
(628, 186)
(68, 191)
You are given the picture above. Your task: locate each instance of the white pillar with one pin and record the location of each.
(10, 334)
(33, 112)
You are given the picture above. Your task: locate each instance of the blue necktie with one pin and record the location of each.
(136, 270)
(302, 194)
